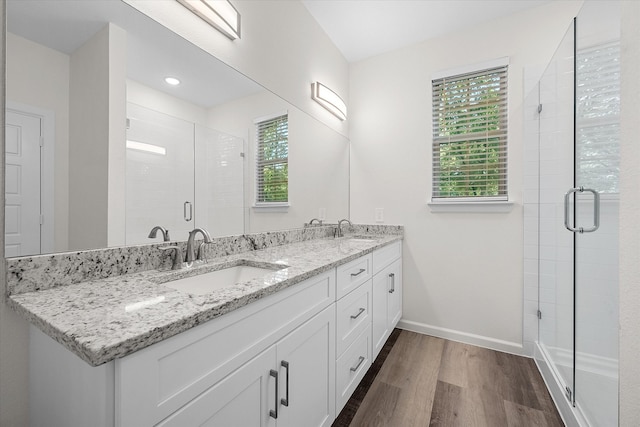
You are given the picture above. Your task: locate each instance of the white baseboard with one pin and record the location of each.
(464, 337)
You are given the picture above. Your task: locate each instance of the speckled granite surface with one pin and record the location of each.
(106, 318)
(28, 274)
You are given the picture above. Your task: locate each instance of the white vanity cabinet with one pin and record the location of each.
(286, 340)
(289, 384)
(387, 293)
(292, 358)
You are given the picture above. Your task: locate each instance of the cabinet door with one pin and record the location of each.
(394, 306)
(379, 310)
(386, 308)
(243, 399)
(306, 364)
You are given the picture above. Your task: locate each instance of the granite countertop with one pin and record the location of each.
(101, 320)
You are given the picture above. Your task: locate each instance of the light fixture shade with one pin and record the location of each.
(329, 100)
(220, 14)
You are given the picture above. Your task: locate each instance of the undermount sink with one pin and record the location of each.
(204, 283)
(357, 238)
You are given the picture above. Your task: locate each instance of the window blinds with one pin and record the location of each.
(272, 168)
(470, 136)
(598, 117)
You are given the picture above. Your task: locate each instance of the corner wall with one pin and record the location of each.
(629, 208)
(14, 331)
(463, 272)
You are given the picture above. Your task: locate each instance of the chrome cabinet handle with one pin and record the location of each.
(393, 283)
(359, 313)
(596, 210)
(355, 368)
(274, 412)
(362, 270)
(285, 401)
(188, 205)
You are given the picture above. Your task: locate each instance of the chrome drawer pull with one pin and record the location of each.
(273, 413)
(362, 270)
(355, 368)
(359, 313)
(393, 283)
(285, 401)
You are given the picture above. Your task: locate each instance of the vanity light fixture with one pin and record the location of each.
(172, 81)
(149, 148)
(329, 100)
(220, 14)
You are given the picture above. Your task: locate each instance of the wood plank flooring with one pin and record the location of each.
(418, 380)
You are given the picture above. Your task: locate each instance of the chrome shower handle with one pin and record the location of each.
(596, 210)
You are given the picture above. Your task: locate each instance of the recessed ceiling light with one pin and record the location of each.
(172, 81)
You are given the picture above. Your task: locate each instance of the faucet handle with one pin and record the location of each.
(202, 256)
(177, 255)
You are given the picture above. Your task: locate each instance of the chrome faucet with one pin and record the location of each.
(339, 230)
(192, 237)
(154, 232)
(315, 219)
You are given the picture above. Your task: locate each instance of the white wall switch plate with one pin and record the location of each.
(379, 214)
(322, 214)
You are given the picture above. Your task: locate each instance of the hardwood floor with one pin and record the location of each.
(418, 380)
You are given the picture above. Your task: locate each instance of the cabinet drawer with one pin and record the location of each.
(353, 274)
(353, 316)
(386, 255)
(156, 381)
(351, 367)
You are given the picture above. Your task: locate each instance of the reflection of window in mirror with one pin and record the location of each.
(272, 160)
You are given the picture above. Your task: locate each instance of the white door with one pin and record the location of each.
(22, 187)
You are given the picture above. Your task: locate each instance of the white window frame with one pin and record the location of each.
(279, 206)
(500, 203)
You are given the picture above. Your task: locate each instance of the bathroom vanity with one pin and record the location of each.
(286, 348)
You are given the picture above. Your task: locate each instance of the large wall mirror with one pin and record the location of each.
(100, 148)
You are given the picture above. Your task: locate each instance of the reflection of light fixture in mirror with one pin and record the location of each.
(329, 100)
(172, 81)
(149, 148)
(218, 13)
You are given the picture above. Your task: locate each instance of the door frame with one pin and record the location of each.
(47, 169)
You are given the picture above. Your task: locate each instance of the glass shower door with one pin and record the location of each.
(596, 253)
(555, 243)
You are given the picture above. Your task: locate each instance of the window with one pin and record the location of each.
(272, 167)
(470, 136)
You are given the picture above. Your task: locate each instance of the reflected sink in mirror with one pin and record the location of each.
(209, 281)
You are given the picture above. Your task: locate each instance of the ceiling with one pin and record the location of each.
(365, 28)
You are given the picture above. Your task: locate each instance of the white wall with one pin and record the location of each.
(462, 271)
(282, 48)
(27, 84)
(629, 208)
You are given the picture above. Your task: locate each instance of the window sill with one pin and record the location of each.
(271, 207)
(471, 206)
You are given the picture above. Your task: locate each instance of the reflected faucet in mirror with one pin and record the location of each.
(339, 229)
(154, 232)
